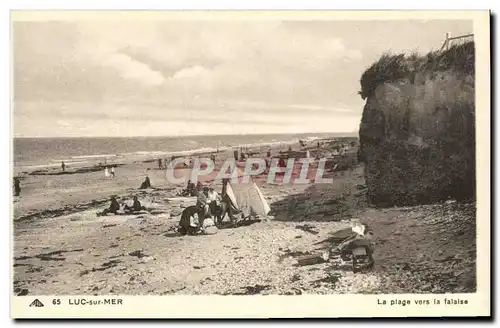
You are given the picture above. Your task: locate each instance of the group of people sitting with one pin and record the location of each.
(191, 189)
(203, 216)
(116, 208)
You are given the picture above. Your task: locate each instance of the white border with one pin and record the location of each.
(215, 4)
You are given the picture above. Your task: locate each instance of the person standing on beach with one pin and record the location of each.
(106, 172)
(160, 165)
(213, 201)
(113, 171)
(17, 187)
(63, 166)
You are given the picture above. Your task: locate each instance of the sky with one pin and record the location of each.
(169, 77)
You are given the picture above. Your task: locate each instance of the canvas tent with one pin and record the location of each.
(246, 197)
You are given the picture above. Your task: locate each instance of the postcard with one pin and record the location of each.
(250, 164)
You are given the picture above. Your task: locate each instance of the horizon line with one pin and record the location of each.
(180, 136)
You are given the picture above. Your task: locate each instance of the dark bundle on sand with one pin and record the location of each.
(417, 132)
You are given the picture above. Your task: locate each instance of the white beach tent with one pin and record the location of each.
(246, 197)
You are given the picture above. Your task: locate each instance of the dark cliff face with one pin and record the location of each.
(417, 139)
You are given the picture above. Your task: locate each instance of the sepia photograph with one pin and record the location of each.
(205, 154)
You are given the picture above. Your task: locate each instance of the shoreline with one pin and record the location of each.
(101, 160)
(48, 192)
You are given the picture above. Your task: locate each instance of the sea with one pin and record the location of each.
(37, 153)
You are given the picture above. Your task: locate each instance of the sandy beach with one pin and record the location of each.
(62, 247)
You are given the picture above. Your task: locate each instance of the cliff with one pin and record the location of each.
(417, 132)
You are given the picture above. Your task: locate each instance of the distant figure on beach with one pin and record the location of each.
(281, 164)
(17, 187)
(113, 171)
(146, 183)
(114, 207)
(191, 189)
(63, 166)
(160, 165)
(318, 144)
(269, 153)
(106, 172)
(235, 153)
(136, 206)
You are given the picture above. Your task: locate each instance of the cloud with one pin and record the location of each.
(240, 73)
(134, 70)
(193, 72)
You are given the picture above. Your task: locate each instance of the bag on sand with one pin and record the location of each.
(209, 227)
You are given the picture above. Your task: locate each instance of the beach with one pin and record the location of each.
(62, 247)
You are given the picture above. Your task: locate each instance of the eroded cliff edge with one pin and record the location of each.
(417, 131)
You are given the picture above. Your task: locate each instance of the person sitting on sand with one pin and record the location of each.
(202, 203)
(114, 207)
(146, 183)
(17, 187)
(136, 206)
(189, 223)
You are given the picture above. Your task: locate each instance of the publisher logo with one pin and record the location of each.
(36, 303)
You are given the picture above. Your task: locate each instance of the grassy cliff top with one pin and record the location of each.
(390, 67)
